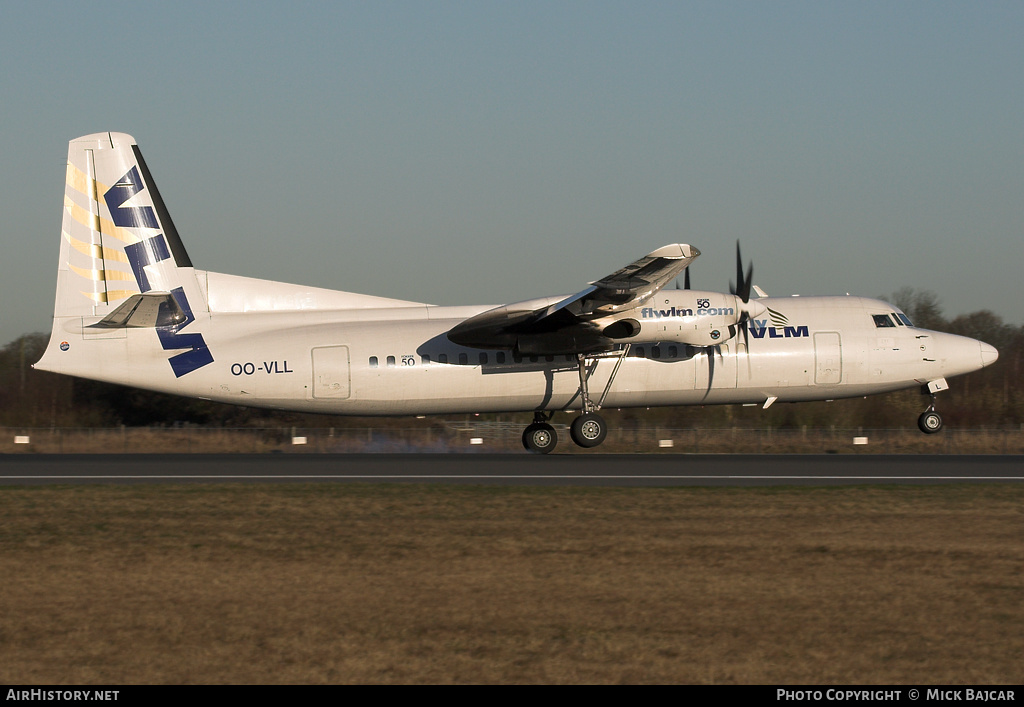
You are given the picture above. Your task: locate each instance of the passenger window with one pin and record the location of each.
(391, 361)
(483, 359)
(442, 358)
(500, 356)
(517, 357)
(425, 359)
(673, 352)
(549, 358)
(373, 361)
(533, 359)
(882, 321)
(639, 352)
(463, 359)
(655, 352)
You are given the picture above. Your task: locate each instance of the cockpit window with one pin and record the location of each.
(896, 317)
(882, 320)
(904, 318)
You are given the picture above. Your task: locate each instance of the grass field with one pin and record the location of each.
(409, 584)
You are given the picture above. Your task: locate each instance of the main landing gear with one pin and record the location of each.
(589, 429)
(540, 437)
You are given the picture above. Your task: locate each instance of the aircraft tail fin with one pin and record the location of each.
(117, 239)
(122, 265)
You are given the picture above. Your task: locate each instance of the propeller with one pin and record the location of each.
(742, 290)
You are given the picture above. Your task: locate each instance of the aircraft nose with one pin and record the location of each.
(989, 354)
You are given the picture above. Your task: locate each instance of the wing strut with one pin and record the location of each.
(621, 356)
(583, 362)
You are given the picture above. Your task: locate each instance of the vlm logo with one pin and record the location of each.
(780, 329)
(150, 252)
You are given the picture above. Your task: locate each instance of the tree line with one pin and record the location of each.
(989, 398)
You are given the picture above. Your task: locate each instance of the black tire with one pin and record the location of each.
(930, 422)
(540, 438)
(588, 430)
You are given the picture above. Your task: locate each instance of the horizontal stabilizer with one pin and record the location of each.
(146, 310)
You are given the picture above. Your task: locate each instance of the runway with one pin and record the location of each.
(513, 469)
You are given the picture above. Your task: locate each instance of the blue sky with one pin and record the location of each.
(474, 152)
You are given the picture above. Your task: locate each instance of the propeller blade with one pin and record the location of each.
(711, 371)
(743, 282)
(739, 270)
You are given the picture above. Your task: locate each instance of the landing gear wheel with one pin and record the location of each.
(930, 422)
(540, 438)
(588, 430)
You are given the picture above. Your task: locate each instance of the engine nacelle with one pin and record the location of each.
(687, 317)
(715, 318)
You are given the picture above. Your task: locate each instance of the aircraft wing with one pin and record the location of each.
(632, 285)
(566, 325)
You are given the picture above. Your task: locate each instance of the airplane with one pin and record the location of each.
(132, 309)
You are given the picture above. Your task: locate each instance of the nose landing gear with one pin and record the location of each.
(930, 421)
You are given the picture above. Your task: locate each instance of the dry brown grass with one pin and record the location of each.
(347, 583)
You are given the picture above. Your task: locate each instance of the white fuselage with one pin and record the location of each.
(396, 360)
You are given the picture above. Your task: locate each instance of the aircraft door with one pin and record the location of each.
(331, 375)
(828, 358)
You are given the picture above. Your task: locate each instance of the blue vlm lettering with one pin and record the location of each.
(759, 327)
(171, 339)
(151, 251)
